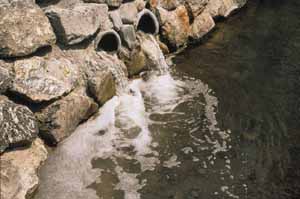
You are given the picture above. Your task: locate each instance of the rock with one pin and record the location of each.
(23, 29)
(102, 86)
(128, 36)
(116, 19)
(45, 78)
(195, 7)
(135, 60)
(169, 4)
(18, 126)
(128, 12)
(174, 25)
(201, 26)
(114, 3)
(110, 3)
(72, 26)
(6, 78)
(60, 119)
(223, 7)
(140, 5)
(19, 171)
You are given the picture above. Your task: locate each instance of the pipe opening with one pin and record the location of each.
(147, 22)
(108, 41)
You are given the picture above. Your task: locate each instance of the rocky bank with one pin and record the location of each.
(59, 60)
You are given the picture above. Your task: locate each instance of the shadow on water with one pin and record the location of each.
(252, 63)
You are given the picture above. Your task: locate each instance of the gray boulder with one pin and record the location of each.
(23, 29)
(19, 171)
(116, 19)
(128, 36)
(60, 119)
(98, 74)
(128, 12)
(45, 78)
(18, 126)
(6, 78)
(73, 25)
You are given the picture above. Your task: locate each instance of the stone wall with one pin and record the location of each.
(55, 66)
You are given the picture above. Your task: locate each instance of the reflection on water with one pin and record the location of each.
(223, 123)
(252, 63)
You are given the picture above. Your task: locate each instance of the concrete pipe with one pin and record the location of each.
(147, 22)
(108, 41)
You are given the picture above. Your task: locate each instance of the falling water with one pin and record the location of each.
(106, 157)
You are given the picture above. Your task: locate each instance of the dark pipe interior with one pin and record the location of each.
(109, 42)
(147, 24)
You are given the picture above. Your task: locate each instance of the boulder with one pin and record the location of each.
(19, 171)
(167, 4)
(195, 7)
(97, 67)
(223, 7)
(135, 60)
(72, 26)
(128, 12)
(18, 126)
(58, 120)
(102, 86)
(6, 78)
(116, 19)
(202, 24)
(23, 29)
(45, 78)
(128, 36)
(175, 25)
(110, 3)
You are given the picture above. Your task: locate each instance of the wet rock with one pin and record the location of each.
(45, 78)
(18, 126)
(128, 36)
(72, 26)
(19, 171)
(23, 29)
(116, 19)
(201, 26)
(174, 25)
(135, 60)
(102, 86)
(128, 12)
(6, 78)
(60, 119)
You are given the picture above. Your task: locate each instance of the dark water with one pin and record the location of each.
(223, 123)
(252, 62)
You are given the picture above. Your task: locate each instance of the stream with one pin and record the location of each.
(222, 122)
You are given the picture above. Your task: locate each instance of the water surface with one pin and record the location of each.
(221, 123)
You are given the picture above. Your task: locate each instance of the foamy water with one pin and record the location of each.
(122, 132)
